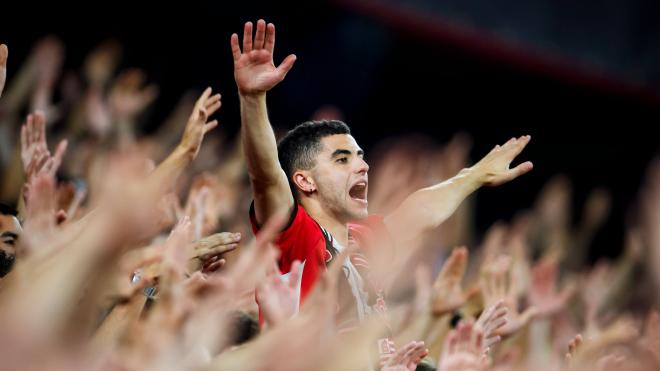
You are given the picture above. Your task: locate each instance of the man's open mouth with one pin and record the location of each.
(358, 191)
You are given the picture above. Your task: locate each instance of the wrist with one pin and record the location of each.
(472, 178)
(251, 97)
(184, 151)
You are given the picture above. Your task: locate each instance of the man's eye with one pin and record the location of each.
(10, 242)
(342, 160)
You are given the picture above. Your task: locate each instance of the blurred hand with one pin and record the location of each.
(128, 97)
(407, 357)
(204, 204)
(198, 124)
(497, 285)
(463, 350)
(176, 251)
(210, 249)
(100, 64)
(48, 59)
(587, 352)
(553, 205)
(447, 294)
(279, 300)
(490, 322)
(544, 293)
(597, 208)
(34, 151)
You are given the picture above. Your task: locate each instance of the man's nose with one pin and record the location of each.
(363, 167)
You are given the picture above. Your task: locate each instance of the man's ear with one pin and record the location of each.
(304, 181)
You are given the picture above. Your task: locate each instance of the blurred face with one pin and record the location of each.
(340, 178)
(10, 229)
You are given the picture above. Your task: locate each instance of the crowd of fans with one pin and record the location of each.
(122, 250)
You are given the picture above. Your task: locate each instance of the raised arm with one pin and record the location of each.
(255, 74)
(186, 151)
(427, 208)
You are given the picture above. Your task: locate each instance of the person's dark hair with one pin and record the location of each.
(7, 210)
(6, 263)
(424, 366)
(6, 260)
(244, 326)
(299, 147)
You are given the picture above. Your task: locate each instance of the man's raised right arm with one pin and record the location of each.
(255, 74)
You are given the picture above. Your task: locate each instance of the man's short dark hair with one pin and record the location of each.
(7, 210)
(297, 150)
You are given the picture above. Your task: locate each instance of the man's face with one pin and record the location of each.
(340, 175)
(10, 229)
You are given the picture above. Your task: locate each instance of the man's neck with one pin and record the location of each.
(336, 228)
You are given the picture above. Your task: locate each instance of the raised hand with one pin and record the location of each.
(128, 97)
(48, 59)
(597, 208)
(494, 170)
(206, 252)
(254, 69)
(175, 253)
(407, 357)
(491, 320)
(496, 285)
(34, 151)
(204, 204)
(100, 63)
(447, 294)
(544, 293)
(198, 124)
(463, 350)
(280, 300)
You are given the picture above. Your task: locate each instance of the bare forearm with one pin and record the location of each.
(119, 321)
(270, 185)
(82, 258)
(164, 177)
(441, 200)
(168, 132)
(259, 141)
(428, 207)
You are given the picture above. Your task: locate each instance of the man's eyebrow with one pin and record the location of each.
(340, 152)
(9, 234)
